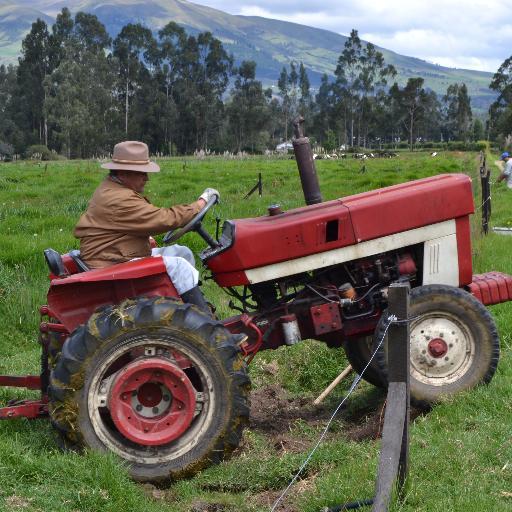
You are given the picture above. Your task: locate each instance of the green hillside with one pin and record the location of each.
(271, 43)
(15, 22)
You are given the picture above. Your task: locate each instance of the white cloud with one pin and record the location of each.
(474, 34)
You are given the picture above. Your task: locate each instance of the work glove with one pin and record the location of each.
(209, 193)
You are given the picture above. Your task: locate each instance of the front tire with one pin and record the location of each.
(454, 343)
(359, 352)
(155, 381)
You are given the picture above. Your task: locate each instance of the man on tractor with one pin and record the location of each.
(119, 220)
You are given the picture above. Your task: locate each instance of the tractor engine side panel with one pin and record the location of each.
(446, 229)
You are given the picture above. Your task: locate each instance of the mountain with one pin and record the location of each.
(271, 43)
(15, 22)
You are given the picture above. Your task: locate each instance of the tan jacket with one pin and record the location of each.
(118, 221)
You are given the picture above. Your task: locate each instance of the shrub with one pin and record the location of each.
(6, 151)
(332, 141)
(39, 152)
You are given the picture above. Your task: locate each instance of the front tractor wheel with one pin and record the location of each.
(454, 343)
(156, 382)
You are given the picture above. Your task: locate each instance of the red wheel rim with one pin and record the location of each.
(437, 347)
(152, 401)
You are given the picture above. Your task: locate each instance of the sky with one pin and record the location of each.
(471, 34)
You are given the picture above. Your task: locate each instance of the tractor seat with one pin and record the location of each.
(62, 266)
(55, 263)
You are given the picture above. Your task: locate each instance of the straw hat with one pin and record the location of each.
(131, 155)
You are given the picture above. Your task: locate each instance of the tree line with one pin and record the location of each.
(76, 91)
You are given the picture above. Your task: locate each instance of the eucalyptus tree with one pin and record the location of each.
(34, 65)
(324, 108)
(458, 114)
(10, 134)
(500, 112)
(168, 73)
(283, 85)
(248, 110)
(79, 101)
(413, 99)
(361, 73)
(130, 48)
(305, 99)
(212, 78)
(205, 68)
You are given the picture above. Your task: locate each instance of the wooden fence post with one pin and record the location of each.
(394, 456)
(485, 176)
(258, 187)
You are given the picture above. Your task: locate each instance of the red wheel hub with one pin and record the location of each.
(437, 347)
(152, 401)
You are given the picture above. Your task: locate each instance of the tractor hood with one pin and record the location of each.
(321, 228)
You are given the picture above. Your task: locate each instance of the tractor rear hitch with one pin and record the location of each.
(30, 409)
(27, 381)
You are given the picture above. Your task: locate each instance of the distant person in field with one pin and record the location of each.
(119, 221)
(506, 169)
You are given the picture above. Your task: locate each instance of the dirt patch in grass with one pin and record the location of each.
(274, 411)
(17, 502)
(276, 414)
(203, 506)
(268, 498)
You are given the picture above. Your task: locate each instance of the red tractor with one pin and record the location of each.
(129, 368)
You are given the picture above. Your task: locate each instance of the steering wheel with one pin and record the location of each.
(194, 225)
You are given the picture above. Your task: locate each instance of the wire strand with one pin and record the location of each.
(390, 320)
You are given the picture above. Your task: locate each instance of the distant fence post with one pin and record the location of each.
(258, 187)
(485, 176)
(394, 455)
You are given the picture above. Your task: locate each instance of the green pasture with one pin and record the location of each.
(461, 452)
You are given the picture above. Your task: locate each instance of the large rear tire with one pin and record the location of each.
(454, 343)
(155, 381)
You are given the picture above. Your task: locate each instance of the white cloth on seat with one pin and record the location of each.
(180, 264)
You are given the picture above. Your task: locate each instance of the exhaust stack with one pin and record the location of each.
(306, 164)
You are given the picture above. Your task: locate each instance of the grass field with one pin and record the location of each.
(461, 452)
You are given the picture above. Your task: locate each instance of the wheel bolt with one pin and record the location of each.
(138, 407)
(166, 398)
(155, 409)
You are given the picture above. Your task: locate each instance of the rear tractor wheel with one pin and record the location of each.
(155, 381)
(454, 343)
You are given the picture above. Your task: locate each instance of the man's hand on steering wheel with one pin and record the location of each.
(211, 197)
(208, 193)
